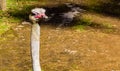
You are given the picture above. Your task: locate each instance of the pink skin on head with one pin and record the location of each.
(39, 13)
(39, 16)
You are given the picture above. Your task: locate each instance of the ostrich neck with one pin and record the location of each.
(35, 46)
(35, 35)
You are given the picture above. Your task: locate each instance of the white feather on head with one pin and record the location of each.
(38, 11)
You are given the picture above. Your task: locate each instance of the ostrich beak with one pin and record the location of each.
(45, 16)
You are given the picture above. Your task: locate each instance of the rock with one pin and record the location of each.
(26, 23)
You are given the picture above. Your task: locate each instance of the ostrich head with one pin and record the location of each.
(37, 13)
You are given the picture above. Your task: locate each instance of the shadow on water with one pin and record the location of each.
(55, 22)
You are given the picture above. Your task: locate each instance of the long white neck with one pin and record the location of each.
(35, 46)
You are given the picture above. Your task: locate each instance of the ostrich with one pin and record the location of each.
(37, 13)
